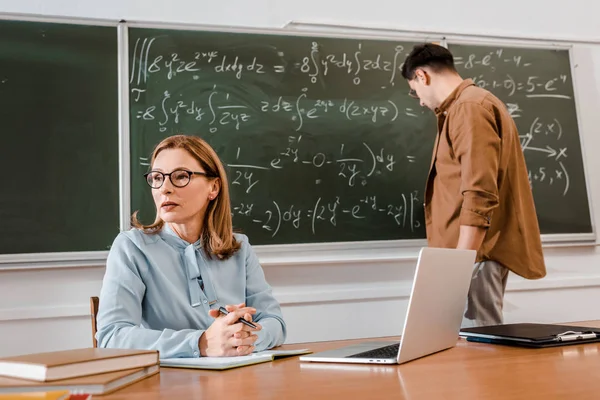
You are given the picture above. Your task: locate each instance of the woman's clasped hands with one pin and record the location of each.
(226, 336)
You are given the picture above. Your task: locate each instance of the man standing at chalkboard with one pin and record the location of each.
(477, 194)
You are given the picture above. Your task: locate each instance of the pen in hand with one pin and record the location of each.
(223, 311)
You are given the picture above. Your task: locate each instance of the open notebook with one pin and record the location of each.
(222, 363)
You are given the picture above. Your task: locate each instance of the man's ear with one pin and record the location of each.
(423, 76)
(426, 78)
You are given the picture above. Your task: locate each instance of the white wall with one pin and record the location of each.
(531, 18)
(339, 293)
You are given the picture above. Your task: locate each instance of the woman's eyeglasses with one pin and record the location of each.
(179, 178)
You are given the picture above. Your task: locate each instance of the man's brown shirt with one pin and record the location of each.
(478, 177)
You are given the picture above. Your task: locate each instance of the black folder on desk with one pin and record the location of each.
(532, 334)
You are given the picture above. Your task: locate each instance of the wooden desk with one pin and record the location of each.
(467, 371)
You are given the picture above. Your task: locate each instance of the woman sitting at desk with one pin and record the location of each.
(165, 282)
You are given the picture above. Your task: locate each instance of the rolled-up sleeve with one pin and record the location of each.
(120, 311)
(268, 311)
(477, 146)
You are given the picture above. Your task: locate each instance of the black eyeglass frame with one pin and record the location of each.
(190, 173)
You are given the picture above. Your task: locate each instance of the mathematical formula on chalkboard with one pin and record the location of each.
(326, 130)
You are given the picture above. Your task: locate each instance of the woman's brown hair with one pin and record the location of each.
(217, 228)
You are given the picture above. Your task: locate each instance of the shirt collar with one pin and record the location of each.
(453, 96)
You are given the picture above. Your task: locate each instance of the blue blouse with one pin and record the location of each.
(158, 289)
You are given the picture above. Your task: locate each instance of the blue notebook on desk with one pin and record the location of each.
(532, 334)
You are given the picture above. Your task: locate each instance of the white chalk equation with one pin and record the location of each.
(277, 216)
(532, 87)
(550, 176)
(504, 73)
(354, 170)
(146, 65)
(302, 109)
(217, 108)
(492, 59)
(553, 172)
(316, 65)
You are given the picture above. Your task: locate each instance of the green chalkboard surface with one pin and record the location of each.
(321, 140)
(319, 136)
(59, 140)
(537, 87)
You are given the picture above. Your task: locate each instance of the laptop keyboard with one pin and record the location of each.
(390, 351)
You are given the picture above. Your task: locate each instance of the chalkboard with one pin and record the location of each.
(59, 146)
(320, 139)
(537, 87)
(322, 142)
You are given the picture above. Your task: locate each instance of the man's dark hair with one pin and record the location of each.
(430, 55)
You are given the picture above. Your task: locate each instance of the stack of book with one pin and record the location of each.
(66, 374)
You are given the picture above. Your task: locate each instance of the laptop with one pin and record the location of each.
(534, 335)
(433, 318)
